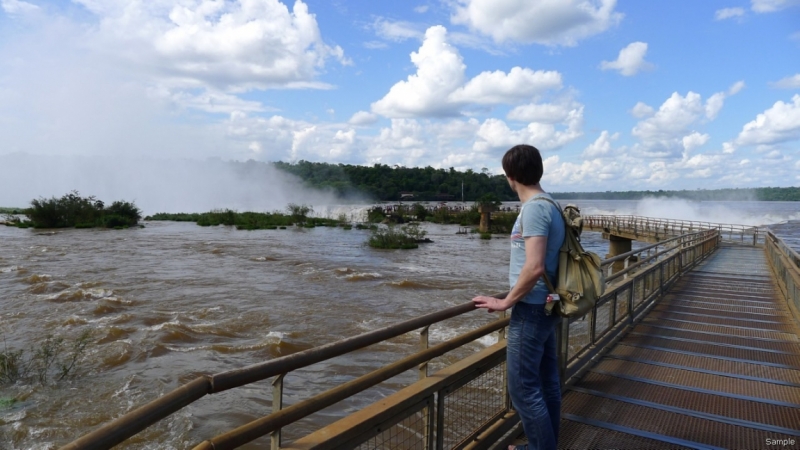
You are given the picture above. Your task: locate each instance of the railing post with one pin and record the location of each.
(277, 405)
(630, 301)
(562, 336)
(440, 420)
(423, 345)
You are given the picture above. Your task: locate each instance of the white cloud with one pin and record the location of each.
(495, 134)
(601, 146)
(548, 22)
(630, 60)
(778, 124)
(375, 45)
(693, 141)
(662, 134)
(714, 105)
(642, 110)
(403, 142)
(544, 112)
(498, 87)
(342, 143)
(792, 82)
(728, 148)
(766, 6)
(397, 31)
(590, 172)
(716, 101)
(421, 9)
(209, 101)
(363, 118)
(728, 13)
(440, 71)
(438, 87)
(669, 132)
(13, 7)
(736, 88)
(234, 46)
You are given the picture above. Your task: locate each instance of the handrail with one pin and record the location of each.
(137, 420)
(683, 240)
(785, 263)
(645, 225)
(260, 427)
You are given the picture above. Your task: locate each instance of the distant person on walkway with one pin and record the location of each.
(532, 360)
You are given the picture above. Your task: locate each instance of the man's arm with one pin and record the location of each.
(532, 270)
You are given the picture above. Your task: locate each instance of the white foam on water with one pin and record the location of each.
(161, 326)
(174, 348)
(351, 213)
(124, 387)
(13, 416)
(276, 335)
(489, 340)
(359, 276)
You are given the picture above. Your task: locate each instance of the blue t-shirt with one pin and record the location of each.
(536, 218)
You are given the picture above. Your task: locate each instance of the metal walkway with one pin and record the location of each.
(715, 364)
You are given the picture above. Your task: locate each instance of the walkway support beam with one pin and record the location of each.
(618, 245)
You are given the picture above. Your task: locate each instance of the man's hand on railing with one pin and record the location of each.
(491, 304)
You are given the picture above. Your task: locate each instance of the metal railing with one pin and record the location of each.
(429, 413)
(663, 228)
(785, 263)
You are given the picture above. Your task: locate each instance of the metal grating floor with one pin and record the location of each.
(715, 364)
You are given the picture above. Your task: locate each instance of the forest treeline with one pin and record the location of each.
(386, 183)
(383, 182)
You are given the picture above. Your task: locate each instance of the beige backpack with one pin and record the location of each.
(580, 282)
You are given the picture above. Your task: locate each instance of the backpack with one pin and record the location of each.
(580, 282)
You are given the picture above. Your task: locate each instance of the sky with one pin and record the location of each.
(617, 95)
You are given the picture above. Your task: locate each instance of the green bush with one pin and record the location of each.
(72, 210)
(406, 237)
(299, 213)
(486, 235)
(375, 214)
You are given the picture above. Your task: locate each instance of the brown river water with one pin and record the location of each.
(171, 301)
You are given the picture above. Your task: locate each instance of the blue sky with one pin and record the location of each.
(617, 95)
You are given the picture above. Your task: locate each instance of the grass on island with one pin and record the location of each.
(72, 210)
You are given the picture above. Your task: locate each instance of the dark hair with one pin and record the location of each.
(523, 164)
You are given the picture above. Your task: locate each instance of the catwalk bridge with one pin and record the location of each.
(694, 345)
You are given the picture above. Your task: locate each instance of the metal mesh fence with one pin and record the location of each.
(603, 320)
(622, 302)
(473, 405)
(578, 337)
(408, 434)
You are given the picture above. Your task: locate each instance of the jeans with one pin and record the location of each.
(533, 380)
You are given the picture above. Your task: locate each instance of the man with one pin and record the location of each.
(532, 360)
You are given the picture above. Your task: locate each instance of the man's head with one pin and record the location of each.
(523, 164)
